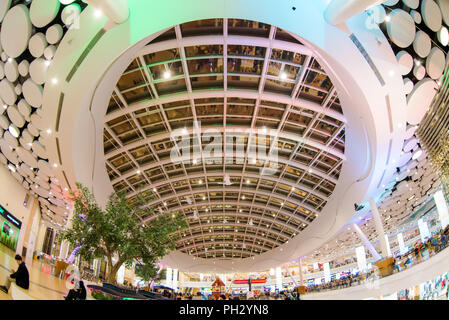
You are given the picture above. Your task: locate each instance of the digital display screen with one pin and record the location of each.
(6, 229)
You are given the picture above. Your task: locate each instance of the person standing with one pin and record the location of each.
(21, 276)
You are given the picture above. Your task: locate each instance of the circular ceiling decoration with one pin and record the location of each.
(7, 92)
(11, 70)
(4, 6)
(422, 44)
(42, 12)
(401, 28)
(431, 14)
(412, 4)
(32, 93)
(16, 31)
(405, 61)
(54, 34)
(444, 6)
(435, 63)
(419, 100)
(37, 44)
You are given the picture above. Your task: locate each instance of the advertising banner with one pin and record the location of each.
(9, 229)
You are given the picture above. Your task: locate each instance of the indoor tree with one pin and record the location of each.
(117, 232)
(149, 273)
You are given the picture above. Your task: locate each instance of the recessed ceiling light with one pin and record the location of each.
(98, 13)
(167, 74)
(283, 75)
(387, 18)
(54, 81)
(55, 165)
(14, 130)
(417, 154)
(138, 171)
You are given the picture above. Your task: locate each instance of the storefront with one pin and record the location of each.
(435, 289)
(10, 228)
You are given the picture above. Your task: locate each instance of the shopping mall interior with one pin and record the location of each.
(302, 145)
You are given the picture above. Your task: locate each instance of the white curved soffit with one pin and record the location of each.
(80, 131)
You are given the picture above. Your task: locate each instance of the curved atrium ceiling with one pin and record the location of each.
(255, 83)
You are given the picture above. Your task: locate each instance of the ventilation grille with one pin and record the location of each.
(66, 180)
(86, 51)
(59, 151)
(367, 58)
(58, 115)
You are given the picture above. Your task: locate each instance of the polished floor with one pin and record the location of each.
(43, 285)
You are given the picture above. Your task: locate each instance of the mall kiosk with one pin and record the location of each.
(218, 288)
(385, 267)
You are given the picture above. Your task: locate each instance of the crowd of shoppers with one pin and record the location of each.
(419, 253)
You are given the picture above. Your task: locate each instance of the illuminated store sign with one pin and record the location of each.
(8, 216)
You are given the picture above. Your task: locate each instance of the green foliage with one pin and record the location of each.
(101, 296)
(117, 231)
(148, 272)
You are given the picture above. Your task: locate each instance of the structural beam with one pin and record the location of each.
(379, 227)
(291, 276)
(338, 11)
(366, 241)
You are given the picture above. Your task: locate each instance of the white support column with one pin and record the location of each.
(175, 280)
(402, 248)
(61, 248)
(327, 272)
(169, 279)
(388, 245)
(361, 258)
(379, 227)
(338, 11)
(279, 278)
(301, 276)
(366, 241)
(64, 249)
(116, 10)
(441, 204)
(423, 230)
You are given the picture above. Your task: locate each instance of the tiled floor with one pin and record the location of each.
(43, 285)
